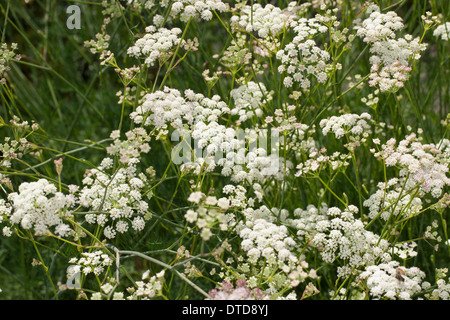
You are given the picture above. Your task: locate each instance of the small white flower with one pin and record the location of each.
(195, 197)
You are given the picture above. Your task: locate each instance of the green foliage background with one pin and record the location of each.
(61, 85)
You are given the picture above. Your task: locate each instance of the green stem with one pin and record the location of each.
(43, 265)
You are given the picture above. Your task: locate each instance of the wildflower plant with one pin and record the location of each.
(220, 149)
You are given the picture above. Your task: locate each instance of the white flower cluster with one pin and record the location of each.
(391, 77)
(156, 45)
(265, 21)
(114, 9)
(5, 212)
(215, 144)
(302, 58)
(305, 220)
(91, 262)
(141, 4)
(227, 148)
(398, 51)
(442, 288)
(271, 215)
(442, 31)
(259, 167)
(114, 200)
(195, 116)
(389, 280)
(380, 26)
(237, 196)
(325, 4)
(319, 160)
(391, 199)
(100, 45)
(13, 149)
(188, 9)
(432, 232)
(107, 290)
(249, 100)
(350, 124)
(267, 240)
(218, 212)
(6, 55)
(127, 151)
(344, 237)
(271, 249)
(227, 291)
(169, 107)
(148, 287)
(423, 164)
(390, 56)
(39, 206)
(208, 214)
